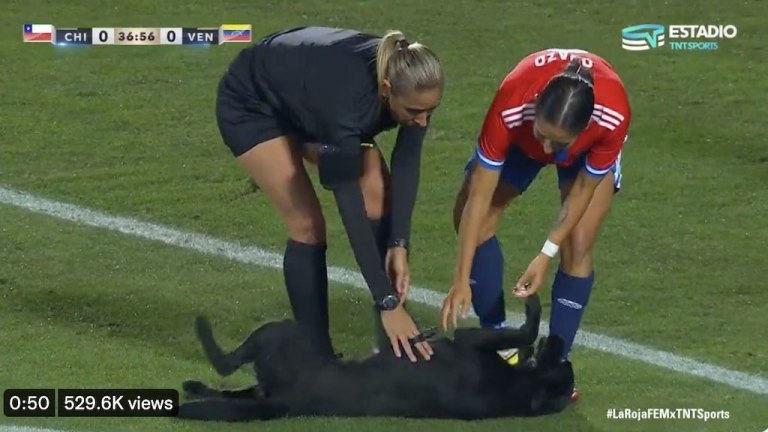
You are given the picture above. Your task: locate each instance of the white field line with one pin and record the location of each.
(263, 258)
(9, 428)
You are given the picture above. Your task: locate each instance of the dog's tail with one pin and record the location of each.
(225, 364)
(231, 410)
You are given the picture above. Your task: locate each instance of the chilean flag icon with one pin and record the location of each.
(38, 32)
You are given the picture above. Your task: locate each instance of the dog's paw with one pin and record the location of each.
(194, 389)
(533, 305)
(550, 350)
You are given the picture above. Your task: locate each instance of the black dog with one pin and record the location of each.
(466, 378)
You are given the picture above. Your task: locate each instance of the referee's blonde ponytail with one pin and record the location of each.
(407, 66)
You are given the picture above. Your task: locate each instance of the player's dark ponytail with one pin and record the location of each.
(569, 98)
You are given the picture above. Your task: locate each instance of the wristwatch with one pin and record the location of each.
(389, 302)
(398, 242)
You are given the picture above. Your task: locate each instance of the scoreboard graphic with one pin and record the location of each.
(226, 33)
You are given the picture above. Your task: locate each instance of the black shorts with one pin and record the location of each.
(244, 117)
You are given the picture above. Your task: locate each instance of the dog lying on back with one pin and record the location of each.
(465, 379)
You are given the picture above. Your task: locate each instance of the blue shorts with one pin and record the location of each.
(519, 170)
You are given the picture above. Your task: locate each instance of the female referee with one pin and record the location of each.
(563, 107)
(323, 94)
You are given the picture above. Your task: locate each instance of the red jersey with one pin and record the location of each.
(509, 120)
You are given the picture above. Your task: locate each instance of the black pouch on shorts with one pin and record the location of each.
(338, 164)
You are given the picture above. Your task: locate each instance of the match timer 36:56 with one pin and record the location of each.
(29, 402)
(134, 36)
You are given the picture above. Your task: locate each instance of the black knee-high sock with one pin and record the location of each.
(306, 279)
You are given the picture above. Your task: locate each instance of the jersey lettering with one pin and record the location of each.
(556, 54)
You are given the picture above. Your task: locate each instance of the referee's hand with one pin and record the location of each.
(401, 329)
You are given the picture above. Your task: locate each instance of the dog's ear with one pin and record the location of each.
(550, 350)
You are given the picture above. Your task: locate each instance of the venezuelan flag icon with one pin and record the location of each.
(235, 33)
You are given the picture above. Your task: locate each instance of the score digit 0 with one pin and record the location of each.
(137, 36)
(171, 36)
(103, 36)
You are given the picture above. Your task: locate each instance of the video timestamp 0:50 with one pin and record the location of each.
(48, 402)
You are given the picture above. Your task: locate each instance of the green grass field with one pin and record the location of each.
(130, 131)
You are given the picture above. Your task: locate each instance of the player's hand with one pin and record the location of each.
(458, 301)
(530, 282)
(396, 264)
(400, 329)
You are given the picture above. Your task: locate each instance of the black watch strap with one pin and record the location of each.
(398, 242)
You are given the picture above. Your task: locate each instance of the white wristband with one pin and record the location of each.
(550, 249)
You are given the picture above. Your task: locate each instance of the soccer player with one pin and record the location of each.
(321, 95)
(563, 107)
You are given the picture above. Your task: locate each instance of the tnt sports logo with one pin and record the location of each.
(642, 37)
(645, 37)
